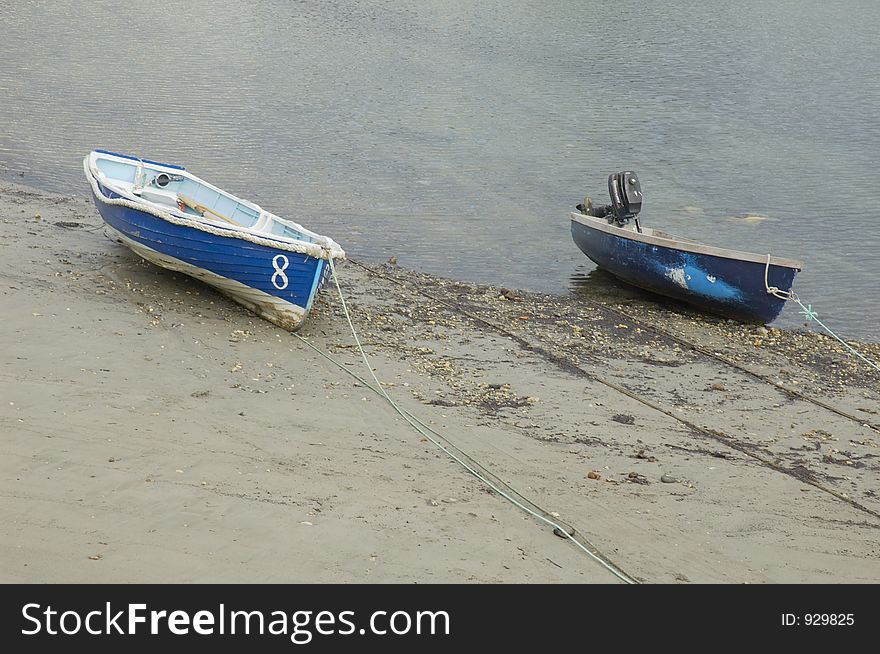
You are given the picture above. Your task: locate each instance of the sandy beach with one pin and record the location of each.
(154, 431)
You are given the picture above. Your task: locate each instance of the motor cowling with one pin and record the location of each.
(626, 195)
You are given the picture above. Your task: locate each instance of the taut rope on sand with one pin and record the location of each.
(714, 434)
(472, 465)
(810, 314)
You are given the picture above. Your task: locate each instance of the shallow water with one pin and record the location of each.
(458, 135)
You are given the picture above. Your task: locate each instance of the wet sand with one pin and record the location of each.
(154, 431)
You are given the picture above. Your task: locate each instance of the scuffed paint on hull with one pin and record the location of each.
(727, 286)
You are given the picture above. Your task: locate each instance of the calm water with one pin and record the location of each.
(456, 135)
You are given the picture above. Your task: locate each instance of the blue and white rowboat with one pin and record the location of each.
(270, 265)
(746, 286)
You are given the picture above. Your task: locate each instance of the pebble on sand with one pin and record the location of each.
(641, 454)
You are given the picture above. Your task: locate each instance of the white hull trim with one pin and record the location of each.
(275, 310)
(648, 237)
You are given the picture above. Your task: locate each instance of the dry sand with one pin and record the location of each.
(154, 431)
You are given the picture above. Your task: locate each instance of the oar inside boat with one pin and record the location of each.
(202, 209)
(268, 264)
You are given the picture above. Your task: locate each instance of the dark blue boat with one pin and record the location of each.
(272, 266)
(741, 285)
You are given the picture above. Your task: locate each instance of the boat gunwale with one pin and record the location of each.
(91, 159)
(675, 243)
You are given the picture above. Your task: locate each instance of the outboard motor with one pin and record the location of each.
(626, 200)
(626, 195)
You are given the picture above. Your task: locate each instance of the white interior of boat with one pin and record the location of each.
(174, 190)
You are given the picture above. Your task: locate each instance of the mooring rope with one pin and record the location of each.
(576, 369)
(426, 431)
(810, 313)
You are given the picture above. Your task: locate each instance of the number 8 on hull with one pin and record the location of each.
(270, 265)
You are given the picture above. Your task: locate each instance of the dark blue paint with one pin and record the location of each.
(737, 290)
(233, 258)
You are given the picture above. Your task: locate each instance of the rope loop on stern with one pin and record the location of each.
(775, 291)
(810, 314)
